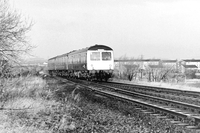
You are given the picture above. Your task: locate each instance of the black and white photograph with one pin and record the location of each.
(99, 66)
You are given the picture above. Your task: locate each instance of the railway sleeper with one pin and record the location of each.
(161, 117)
(182, 115)
(160, 114)
(175, 122)
(193, 127)
(137, 108)
(147, 112)
(182, 124)
(154, 114)
(179, 121)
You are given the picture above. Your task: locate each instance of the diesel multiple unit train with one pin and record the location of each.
(91, 63)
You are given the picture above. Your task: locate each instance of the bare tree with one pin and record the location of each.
(13, 30)
(132, 71)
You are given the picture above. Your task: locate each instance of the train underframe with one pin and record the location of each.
(101, 75)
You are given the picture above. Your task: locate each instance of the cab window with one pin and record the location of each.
(95, 56)
(106, 55)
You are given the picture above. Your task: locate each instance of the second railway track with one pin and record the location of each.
(165, 104)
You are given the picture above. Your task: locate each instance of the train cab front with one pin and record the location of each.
(100, 61)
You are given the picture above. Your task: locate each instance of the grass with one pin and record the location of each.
(29, 105)
(36, 105)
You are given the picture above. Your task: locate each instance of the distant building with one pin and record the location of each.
(190, 64)
(173, 64)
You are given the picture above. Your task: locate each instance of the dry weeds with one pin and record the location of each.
(36, 105)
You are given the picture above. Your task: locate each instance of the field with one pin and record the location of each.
(36, 105)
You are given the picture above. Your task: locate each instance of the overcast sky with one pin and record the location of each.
(166, 29)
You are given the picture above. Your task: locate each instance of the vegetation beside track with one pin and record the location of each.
(37, 105)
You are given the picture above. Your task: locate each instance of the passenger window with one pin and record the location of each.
(95, 56)
(106, 55)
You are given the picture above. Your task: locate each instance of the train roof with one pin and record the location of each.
(71, 52)
(95, 47)
(78, 51)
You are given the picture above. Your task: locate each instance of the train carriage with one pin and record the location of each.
(95, 62)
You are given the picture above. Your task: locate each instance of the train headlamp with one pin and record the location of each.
(92, 66)
(110, 66)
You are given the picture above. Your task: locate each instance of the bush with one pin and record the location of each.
(190, 74)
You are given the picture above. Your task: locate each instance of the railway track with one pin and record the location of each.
(190, 97)
(167, 104)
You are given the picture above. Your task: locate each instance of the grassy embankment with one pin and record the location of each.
(36, 105)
